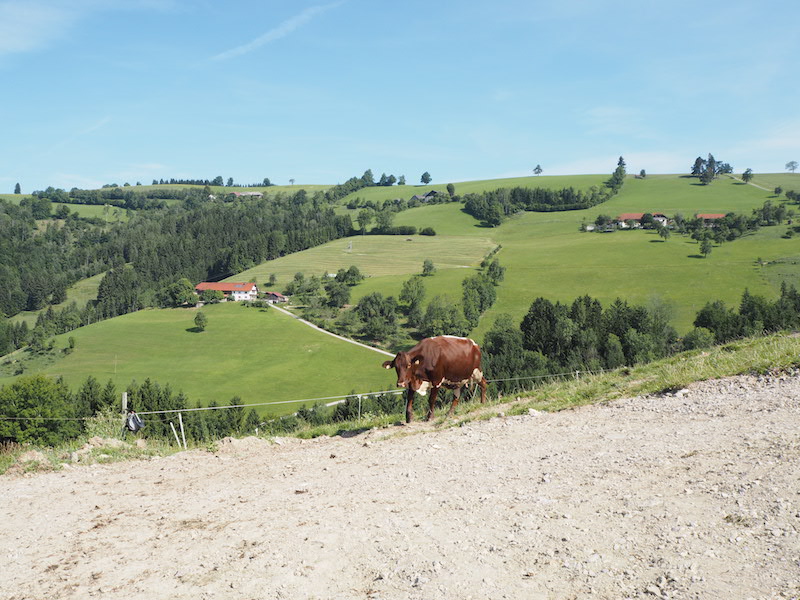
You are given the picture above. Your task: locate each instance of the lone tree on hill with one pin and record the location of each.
(537, 170)
(791, 166)
(200, 320)
(705, 247)
(18, 189)
(747, 175)
(426, 178)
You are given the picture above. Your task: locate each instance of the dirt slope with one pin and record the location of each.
(694, 495)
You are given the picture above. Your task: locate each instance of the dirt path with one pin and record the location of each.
(320, 329)
(693, 495)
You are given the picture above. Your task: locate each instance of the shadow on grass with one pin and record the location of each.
(195, 330)
(695, 256)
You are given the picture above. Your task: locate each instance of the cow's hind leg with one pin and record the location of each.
(482, 383)
(410, 405)
(456, 396)
(434, 393)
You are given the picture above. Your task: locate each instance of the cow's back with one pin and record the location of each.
(448, 357)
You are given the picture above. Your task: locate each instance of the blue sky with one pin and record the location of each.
(115, 91)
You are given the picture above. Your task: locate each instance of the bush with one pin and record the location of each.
(427, 231)
(699, 337)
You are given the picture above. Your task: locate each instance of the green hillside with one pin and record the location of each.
(260, 355)
(546, 255)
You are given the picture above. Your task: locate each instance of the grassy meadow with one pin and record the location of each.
(377, 256)
(260, 355)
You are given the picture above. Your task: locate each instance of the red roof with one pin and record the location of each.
(637, 216)
(276, 294)
(630, 217)
(229, 286)
(711, 216)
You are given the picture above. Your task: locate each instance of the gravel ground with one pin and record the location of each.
(691, 495)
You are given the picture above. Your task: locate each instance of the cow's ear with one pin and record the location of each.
(388, 364)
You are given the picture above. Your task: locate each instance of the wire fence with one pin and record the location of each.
(330, 400)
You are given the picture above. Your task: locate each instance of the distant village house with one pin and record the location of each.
(626, 220)
(231, 290)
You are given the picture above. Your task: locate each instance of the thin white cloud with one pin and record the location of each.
(281, 31)
(30, 25)
(27, 26)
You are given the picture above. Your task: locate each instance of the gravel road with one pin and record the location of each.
(690, 495)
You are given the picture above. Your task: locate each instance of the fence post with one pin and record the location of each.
(175, 433)
(183, 435)
(359, 407)
(125, 402)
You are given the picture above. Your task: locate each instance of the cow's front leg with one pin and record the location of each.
(410, 405)
(434, 392)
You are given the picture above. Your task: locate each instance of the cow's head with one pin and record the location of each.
(405, 366)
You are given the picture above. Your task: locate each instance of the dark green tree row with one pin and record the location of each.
(493, 207)
(337, 192)
(120, 197)
(43, 411)
(755, 315)
(217, 181)
(556, 338)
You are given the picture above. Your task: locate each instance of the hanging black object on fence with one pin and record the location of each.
(133, 422)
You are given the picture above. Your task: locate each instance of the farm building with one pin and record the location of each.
(275, 297)
(710, 219)
(636, 218)
(426, 196)
(232, 290)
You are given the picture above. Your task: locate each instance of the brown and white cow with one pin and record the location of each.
(443, 361)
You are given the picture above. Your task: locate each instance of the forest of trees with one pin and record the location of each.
(44, 411)
(556, 338)
(199, 240)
